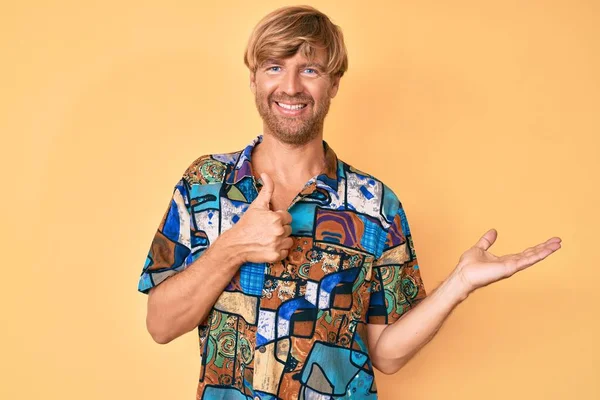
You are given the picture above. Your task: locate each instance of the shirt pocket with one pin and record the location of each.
(344, 240)
(329, 258)
(338, 277)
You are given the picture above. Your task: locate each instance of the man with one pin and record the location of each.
(297, 269)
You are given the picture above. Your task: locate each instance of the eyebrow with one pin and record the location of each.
(313, 64)
(305, 65)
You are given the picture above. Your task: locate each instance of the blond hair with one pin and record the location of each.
(285, 31)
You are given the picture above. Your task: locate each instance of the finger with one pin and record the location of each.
(535, 255)
(286, 217)
(487, 240)
(263, 199)
(287, 243)
(287, 230)
(551, 243)
(284, 253)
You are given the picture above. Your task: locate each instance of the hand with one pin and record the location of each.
(477, 267)
(263, 233)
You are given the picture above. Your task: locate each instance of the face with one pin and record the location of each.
(293, 96)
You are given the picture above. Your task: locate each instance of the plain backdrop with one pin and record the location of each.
(478, 114)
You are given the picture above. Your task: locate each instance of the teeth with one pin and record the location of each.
(292, 107)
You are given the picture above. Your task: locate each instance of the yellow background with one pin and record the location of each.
(478, 114)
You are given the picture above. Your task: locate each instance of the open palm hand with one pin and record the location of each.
(478, 267)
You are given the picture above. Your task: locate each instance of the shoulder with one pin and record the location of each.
(210, 168)
(365, 188)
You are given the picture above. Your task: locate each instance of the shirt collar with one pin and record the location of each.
(243, 167)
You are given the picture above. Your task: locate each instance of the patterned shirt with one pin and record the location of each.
(297, 328)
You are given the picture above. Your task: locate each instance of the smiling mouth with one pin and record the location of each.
(292, 107)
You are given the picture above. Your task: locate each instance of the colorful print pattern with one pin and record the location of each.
(295, 329)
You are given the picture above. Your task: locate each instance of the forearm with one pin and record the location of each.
(181, 302)
(400, 341)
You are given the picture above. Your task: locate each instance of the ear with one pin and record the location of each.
(335, 85)
(253, 82)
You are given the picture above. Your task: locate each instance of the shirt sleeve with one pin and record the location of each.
(170, 250)
(396, 284)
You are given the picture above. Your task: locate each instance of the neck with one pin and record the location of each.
(288, 163)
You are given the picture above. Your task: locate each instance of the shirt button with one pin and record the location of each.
(256, 398)
(262, 349)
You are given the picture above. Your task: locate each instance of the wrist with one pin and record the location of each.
(457, 287)
(232, 247)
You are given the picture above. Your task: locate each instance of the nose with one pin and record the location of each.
(291, 84)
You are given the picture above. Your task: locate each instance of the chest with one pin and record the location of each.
(284, 195)
(282, 199)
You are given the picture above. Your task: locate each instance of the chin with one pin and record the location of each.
(294, 137)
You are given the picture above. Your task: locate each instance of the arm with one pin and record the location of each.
(394, 345)
(182, 301)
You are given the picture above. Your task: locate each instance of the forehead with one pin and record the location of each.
(319, 57)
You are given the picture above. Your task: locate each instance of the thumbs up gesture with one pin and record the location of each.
(262, 233)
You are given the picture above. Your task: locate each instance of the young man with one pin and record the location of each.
(297, 269)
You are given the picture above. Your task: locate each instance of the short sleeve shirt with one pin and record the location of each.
(297, 328)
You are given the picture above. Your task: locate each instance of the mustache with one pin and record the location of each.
(296, 99)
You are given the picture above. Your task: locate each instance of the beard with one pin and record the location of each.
(293, 130)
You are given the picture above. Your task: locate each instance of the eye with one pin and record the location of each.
(310, 71)
(274, 68)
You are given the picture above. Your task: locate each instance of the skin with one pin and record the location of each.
(294, 81)
(391, 346)
(291, 151)
(290, 154)
(181, 302)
